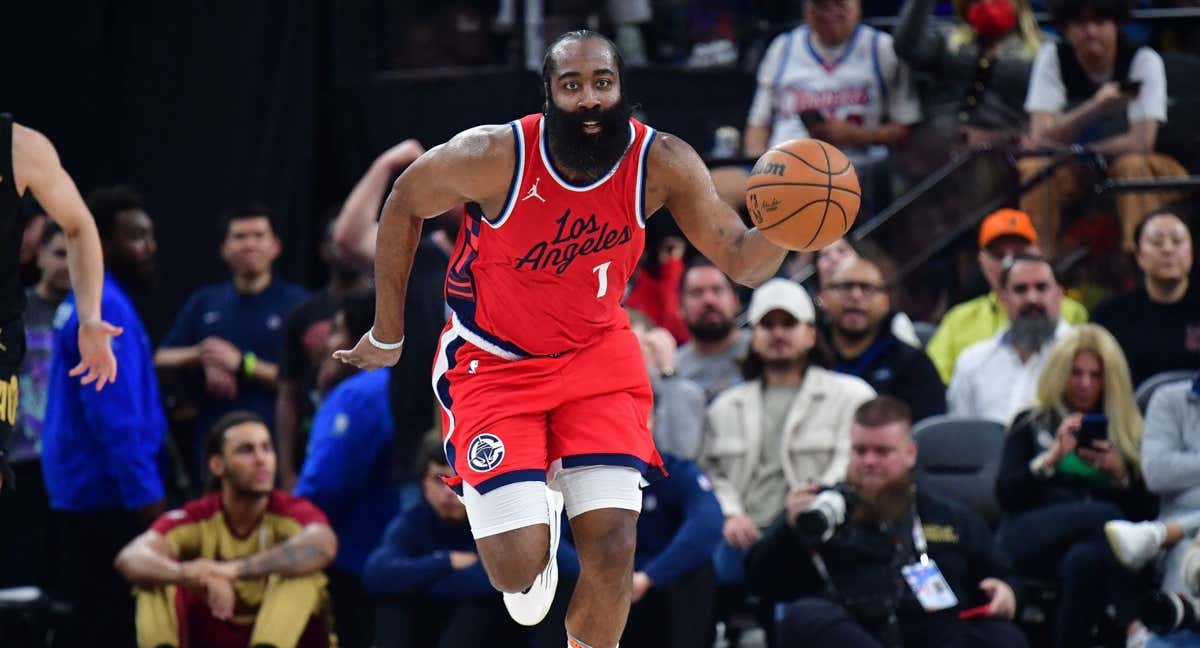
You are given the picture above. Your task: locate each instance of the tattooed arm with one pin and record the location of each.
(302, 554)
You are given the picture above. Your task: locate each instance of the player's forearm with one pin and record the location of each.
(399, 234)
(309, 551)
(85, 263)
(755, 260)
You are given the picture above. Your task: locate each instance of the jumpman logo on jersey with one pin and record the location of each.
(533, 192)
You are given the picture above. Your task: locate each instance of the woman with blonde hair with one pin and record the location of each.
(1071, 464)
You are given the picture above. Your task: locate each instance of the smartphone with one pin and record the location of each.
(1130, 87)
(1093, 429)
(811, 117)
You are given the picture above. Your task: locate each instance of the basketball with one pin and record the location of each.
(803, 194)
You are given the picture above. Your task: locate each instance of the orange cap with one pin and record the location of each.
(1006, 222)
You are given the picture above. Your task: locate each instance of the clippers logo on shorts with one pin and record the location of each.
(486, 452)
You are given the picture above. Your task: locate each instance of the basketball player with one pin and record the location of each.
(28, 162)
(538, 372)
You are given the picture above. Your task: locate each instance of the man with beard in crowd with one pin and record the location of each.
(538, 368)
(710, 306)
(994, 378)
(859, 315)
(878, 531)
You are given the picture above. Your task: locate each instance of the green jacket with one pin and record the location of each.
(979, 319)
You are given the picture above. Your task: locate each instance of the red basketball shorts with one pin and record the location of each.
(506, 420)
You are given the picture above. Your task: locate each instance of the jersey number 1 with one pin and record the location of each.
(602, 274)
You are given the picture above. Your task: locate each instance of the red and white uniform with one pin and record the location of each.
(538, 363)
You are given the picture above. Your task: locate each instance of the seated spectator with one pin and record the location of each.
(838, 80)
(348, 473)
(787, 426)
(1157, 323)
(1057, 493)
(100, 449)
(857, 307)
(1095, 88)
(26, 557)
(240, 567)
(1003, 235)
(995, 378)
(229, 332)
(430, 588)
(678, 402)
(305, 332)
(1171, 464)
(872, 533)
(833, 255)
(674, 587)
(710, 309)
(979, 62)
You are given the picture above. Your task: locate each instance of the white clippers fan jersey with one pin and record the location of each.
(864, 84)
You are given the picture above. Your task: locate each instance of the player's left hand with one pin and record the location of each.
(97, 364)
(641, 585)
(1002, 601)
(367, 356)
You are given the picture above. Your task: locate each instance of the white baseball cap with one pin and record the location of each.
(781, 294)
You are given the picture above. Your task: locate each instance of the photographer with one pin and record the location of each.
(850, 553)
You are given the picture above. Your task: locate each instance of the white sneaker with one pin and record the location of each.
(1135, 543)
(531, 606)
(1190, 566)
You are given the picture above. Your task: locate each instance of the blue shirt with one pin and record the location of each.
(251, 323)
(348, 472)
(99, 450)
(414, 559)
(680, 524)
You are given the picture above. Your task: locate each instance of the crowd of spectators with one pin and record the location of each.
(252, 491)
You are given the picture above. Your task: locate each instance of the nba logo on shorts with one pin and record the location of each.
(486, 452)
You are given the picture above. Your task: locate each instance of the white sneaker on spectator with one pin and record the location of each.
(531, 606)
(1191, 567)
(1135, 543)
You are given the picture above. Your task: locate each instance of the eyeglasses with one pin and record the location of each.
(1039, 287)
(847, 287)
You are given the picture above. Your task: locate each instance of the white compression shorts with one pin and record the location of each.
(523, 503)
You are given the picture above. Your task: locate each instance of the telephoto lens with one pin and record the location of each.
(1165, 612)
(823, 516)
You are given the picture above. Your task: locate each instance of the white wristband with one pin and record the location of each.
(386, 346)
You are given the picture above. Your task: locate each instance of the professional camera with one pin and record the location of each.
(825, 514)
(1165, 612)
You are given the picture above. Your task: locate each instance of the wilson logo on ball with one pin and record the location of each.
(769, 168)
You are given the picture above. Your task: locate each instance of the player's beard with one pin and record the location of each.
(589, 155)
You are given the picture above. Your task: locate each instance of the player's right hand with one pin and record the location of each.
(367, 356)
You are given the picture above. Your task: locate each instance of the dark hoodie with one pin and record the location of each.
(897, 369)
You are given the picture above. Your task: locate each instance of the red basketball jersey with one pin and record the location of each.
(547, 274)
